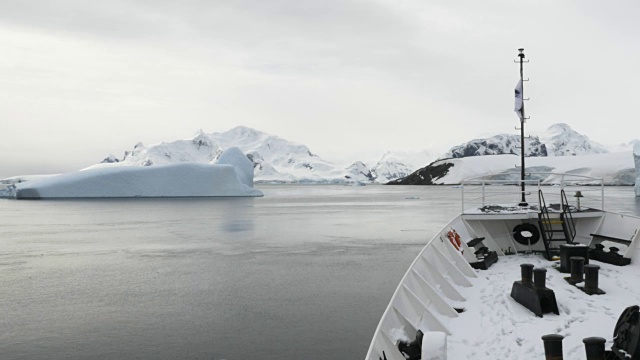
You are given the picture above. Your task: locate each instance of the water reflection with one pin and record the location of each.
(237, 215)
(300, 268)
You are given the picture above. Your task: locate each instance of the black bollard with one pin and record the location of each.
(591, 280)
(577, 269)
(535, 296)
(539, 278)
(553, 346)
(527, 274)
(599, 247)
(614, 251)
(594, 346)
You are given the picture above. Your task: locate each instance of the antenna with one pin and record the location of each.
(523, 119)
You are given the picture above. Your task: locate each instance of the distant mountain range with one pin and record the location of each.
(277, 160)
(557, 140)
(558, 149)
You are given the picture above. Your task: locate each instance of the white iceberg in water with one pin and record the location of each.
(232, 175)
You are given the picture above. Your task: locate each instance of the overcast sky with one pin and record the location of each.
(82, 79)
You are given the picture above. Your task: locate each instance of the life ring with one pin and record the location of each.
(521, 238)
(454, 238)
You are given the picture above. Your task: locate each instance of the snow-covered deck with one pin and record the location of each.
(494, 326)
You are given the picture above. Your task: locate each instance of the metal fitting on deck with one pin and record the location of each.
(539, 278)
(553, 346)
(527, 274)
(577, 269)
(594, 346)
(591, 279)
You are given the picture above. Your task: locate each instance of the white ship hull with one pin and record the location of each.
(441, 282)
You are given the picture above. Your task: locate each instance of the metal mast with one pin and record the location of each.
(522, 121)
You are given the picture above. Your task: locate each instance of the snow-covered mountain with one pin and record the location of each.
(358, 170)
(497, 145)
(558, 140)
(278, 160)
(558, 149)
(614, 168)
(274, 159)
(397, 164)
(562, 140)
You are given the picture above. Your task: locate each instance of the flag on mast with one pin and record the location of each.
(518, 107)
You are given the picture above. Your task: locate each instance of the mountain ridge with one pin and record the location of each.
(277, 160)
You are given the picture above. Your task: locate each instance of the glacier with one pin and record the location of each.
(614, 168)
(232, 175)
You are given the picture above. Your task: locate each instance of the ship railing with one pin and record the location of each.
(585, 192)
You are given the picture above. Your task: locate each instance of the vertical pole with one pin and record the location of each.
(539, 205)
(522, 147)
(462, 188)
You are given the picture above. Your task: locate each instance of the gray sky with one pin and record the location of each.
(82, 79)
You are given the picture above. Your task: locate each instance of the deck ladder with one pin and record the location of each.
(552, 234)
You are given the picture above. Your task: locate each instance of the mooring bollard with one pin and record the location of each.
(527, 274)
(594, 346)
(539, 278)
(577, 269)
(567, 251)
(534, 295)
(553, 346)
(591, 278)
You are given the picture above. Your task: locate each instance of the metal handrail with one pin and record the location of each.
(567, 216)
(488, 190)
(545, 219)
(483, 177)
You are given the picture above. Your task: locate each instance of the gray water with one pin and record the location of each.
(303, 273)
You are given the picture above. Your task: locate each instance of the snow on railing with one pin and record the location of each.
(585, 191)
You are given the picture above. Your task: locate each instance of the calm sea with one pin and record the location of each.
(303, 273)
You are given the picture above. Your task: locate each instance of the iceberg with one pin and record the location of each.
(232, 175)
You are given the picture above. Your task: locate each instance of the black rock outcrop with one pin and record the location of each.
(426, 175)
